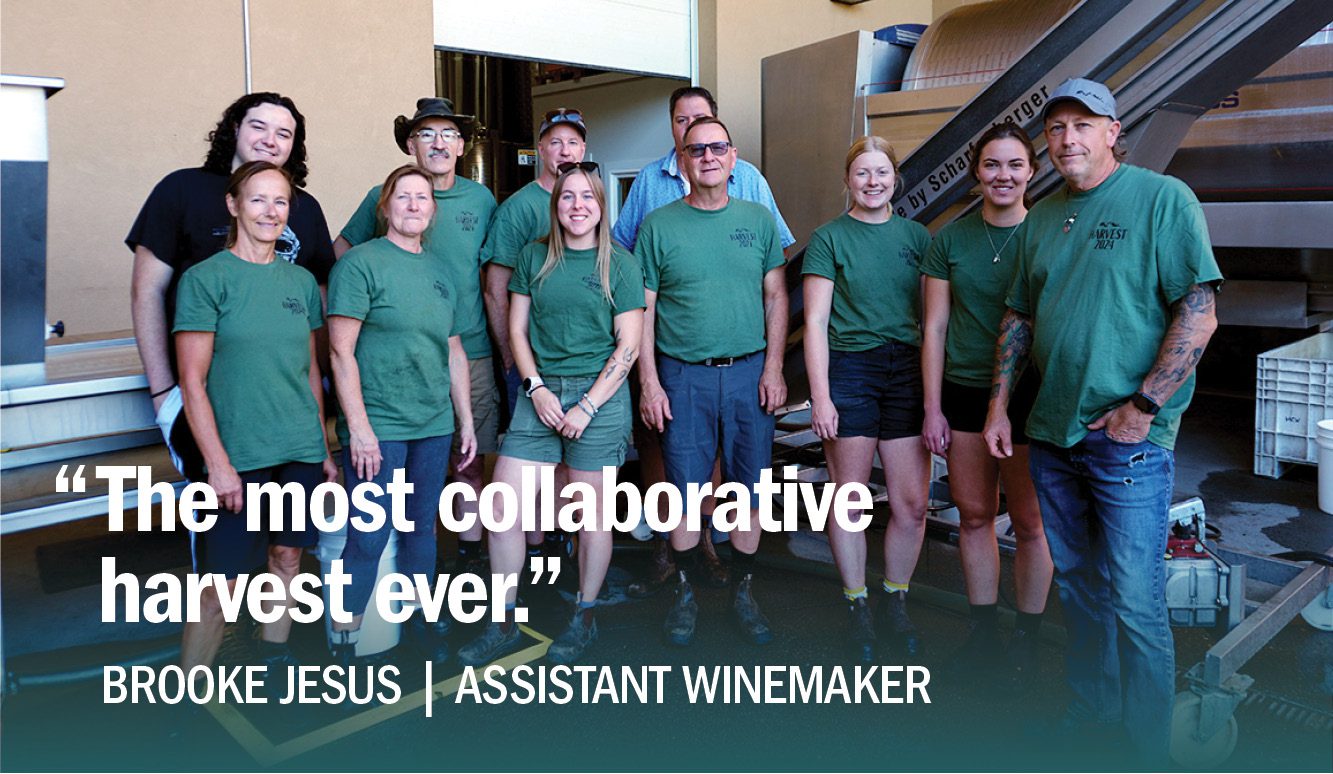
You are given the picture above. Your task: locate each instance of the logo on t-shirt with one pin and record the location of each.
(909, 257)
(467, 220)
(1107, 234)
(744, 237)
(289, 245)
(294, 306)
(593, 282)
(442, 289)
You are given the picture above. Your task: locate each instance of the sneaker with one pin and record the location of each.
(712, 571)
(1023, 656)
(680, 621)
(430, 637)
(748, 616)
(981, 651)
(492, 643)
(661, 572)
(575, 640)
(472, 564)
(892, 621)
(861, 630)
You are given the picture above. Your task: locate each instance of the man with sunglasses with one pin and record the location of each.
(657, 184)
(435, 137)
(717, 323)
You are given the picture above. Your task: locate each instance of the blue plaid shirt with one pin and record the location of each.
(661, 183)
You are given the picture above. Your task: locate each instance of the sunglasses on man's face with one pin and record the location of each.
(585, 166)
(696, 150)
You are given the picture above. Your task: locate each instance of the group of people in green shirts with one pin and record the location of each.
(913, 346)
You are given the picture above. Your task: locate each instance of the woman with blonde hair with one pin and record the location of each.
(575, 319)
(863, 357)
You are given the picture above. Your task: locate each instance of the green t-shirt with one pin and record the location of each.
(522, 218)
(707, 268)
(260, 316)
(875, 269)
(405, 302)
(462, 215)
(964, 256)
(1100, 296)
(570, 324)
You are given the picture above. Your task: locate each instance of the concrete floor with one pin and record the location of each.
(968, 725)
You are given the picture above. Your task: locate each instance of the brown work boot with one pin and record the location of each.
(661, 571)
(712, 571)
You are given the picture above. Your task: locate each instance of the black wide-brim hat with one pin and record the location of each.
(430, 107)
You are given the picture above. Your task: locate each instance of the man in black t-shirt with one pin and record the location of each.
(185, 221)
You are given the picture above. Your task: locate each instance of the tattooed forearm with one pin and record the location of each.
(1193, 323)
(1011, 354)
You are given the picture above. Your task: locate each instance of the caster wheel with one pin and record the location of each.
(1318, 613)
(1190, 752)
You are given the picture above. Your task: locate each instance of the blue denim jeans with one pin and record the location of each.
(715, 407)
(426, 462)
(1104, 507)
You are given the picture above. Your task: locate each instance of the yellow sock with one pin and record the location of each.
(891, 587)
(854, 594)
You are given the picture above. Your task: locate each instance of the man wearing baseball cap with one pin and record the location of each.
(524, 217)
(1114, 298)
(435, 136)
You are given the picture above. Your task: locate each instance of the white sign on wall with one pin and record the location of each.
(641, 36)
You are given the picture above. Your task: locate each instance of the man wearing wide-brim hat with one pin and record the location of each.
(435, 136)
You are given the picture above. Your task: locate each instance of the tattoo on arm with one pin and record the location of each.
(1011, 352)
(1193, 323)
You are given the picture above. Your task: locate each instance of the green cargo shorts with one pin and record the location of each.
(604, 441)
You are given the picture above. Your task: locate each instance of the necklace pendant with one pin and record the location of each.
(996, 259)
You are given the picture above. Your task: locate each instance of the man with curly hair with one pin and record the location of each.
(185, 221)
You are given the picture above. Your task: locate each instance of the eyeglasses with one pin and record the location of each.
(584, 166)
(696, 150)
(561, 115)
(428, 136)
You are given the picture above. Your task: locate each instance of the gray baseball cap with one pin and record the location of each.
(1090, 94)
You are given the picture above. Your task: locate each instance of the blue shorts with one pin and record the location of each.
(877, 392)
(715, 408)
(229, 549)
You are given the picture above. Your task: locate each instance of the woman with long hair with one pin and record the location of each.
(863, 357)
(402, 380)
(575, 320)
(253, 394)
(968, 270)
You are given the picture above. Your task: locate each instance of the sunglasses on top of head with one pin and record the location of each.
(585, 166)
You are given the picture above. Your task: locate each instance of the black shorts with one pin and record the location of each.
(965, 407)
(230, 549)
(877, 392)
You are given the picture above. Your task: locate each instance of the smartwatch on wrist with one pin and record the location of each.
(531, 384)
(1145, 404)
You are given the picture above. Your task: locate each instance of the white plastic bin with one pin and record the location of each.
(1293, 393)
(377, 635)
(1324, 437)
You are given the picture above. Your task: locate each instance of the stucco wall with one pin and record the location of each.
(146, 81)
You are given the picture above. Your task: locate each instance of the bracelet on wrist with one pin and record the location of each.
(590, 407)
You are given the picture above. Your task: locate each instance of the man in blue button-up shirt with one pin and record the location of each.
(662, 183)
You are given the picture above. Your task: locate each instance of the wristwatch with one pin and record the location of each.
(531, 383)
(1145, 404)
